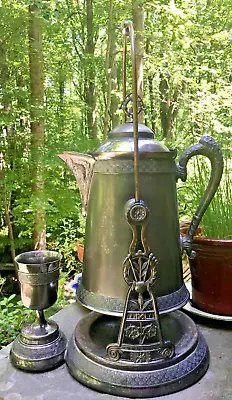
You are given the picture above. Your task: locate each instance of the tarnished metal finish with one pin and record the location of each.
(126, 166)
(140, 338)
(138, 216)
(208, 147)
(40, 331)
(147, 352)
(129, 110)
(38, 357)
(114, 306)
(120, 143)
(130, 163)
(38, 261)
(106, 246)
(38, 273)
(40, 279)
(40, 345)
(86, 359)
(82, 167)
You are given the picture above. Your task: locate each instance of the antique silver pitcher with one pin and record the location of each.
(132, 262)
(105, 178)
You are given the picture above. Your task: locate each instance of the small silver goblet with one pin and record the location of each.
(40, 345)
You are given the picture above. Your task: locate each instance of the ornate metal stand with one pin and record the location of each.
(140, 336)
(88, 362)
(153, 354)
(144, 353)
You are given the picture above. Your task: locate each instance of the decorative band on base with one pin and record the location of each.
(38, 357)
(88, 364)
(114, 306)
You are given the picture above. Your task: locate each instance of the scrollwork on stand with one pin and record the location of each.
(140, 338)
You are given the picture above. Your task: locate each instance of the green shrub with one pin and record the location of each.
(13, 315)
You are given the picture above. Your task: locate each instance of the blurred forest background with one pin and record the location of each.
(61, 90)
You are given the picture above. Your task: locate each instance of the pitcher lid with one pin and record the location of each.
(121, 139)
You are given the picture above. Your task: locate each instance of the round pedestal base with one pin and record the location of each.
(40, 352)
(87, 362)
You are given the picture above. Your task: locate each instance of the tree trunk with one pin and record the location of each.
(61, 78)
(90, 96)
(114, 87)
(150, 79)
(111, 75)
(138, 21)
(169, 104)
(108, 70)
(9, 149)
(152, 102)
(165, 106)
(37, 124)
(5, 199)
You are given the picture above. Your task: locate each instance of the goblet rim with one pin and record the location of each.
(38, 257)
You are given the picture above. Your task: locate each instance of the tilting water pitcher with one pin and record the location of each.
(106, 180)
(132, 263)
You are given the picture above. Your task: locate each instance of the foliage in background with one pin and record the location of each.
(187, 91)
(14, 315)
(217, 221)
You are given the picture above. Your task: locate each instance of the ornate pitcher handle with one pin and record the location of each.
(208, 147)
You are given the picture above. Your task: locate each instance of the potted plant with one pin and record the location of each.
(80, 249)
(211, 268)
(81, 239)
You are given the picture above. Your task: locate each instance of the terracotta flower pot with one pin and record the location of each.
(80, 251)
(212, 275)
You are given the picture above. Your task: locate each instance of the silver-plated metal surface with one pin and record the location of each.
(35, 333)
(87, 361)
(107, 246)
(40, 346)
(208, 147)
(150, 351)
(126, 166)
(38, 279)
(128, 30)
(120, 140)
(39, 357)
(38, 273)
(82, 166)
(38, 261)
(140, 338)
(39, 297)
(111, 186)
(114, 306)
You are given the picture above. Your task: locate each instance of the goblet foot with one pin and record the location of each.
(38, 348)
(39, 333)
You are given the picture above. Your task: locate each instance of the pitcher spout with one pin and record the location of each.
(82, 166)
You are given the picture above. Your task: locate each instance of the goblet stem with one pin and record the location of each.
(40, 318)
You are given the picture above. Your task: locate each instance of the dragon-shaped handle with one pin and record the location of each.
(208, 147)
